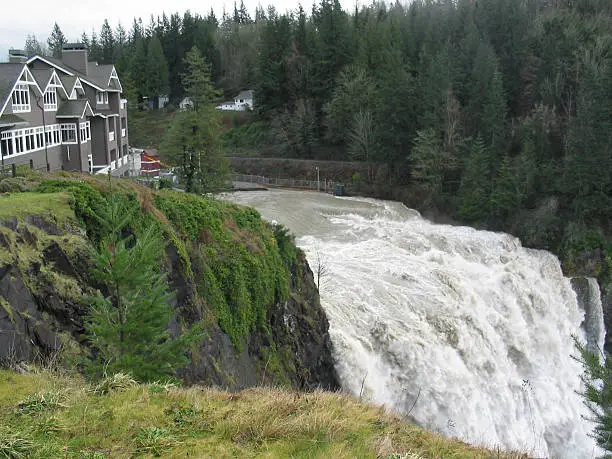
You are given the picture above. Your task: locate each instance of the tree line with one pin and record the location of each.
(485, 107)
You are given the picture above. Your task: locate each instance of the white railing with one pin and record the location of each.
(122, 132)
(111, 136)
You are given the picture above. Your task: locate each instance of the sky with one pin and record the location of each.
(37, 16)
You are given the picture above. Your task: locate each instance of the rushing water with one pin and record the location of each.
(466, 331)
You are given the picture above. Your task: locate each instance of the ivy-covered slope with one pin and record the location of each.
(242, 278)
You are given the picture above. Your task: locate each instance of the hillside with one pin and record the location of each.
(239, 278)
(50, 415)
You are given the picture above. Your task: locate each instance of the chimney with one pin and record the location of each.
(17, 56)
(75, 55)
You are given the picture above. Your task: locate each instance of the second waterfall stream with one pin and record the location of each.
(464, 330)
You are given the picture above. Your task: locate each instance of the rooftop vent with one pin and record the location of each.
(17, 56)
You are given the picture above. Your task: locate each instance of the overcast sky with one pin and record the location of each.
(17, 19)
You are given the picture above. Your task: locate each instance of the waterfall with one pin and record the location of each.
(589, 300)
(465, 331)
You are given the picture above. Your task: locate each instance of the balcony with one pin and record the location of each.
(111, 136)
(123, 132)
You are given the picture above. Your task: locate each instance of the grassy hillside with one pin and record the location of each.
(48, 415)
(238, 277)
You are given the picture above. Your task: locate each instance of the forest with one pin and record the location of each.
(497, 112)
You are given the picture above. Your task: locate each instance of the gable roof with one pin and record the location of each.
(248, 94)
(74, 109)
(10, 75)
(100, 75)
(97, 75)
(42, 76)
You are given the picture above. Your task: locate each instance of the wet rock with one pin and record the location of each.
(44, 224)
(27, 236)
(55, 255)
(11, 223)
(4, 241)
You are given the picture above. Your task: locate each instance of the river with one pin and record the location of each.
(463, 330)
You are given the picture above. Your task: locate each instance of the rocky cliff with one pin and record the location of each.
(241, 278)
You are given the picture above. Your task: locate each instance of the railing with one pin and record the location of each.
(111, 136)
(321, 185)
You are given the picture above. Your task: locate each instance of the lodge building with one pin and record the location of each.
(63, 114)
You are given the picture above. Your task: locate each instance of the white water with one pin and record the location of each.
(471, 325)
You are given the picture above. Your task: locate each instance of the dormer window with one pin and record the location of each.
(102, 98)
(50, 99)
(21, 98)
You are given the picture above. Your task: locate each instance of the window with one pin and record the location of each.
(68, 133)
(102, 98)
(85, 129)
(53, 135)
(21, 98)
(50, 99)
(6, 143)
(40, 137)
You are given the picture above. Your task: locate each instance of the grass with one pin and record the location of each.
(72, 420)
(21, 205)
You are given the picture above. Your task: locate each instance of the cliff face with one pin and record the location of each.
(244, 281)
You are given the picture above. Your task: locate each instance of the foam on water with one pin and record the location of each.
(469, 324)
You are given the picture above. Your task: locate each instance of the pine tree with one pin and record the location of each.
(85, 40)
(128, 328)
(506, 196)
(192, 140)
(192, 144)
(56, 41)
(597, 380)
(431, 163)
(475, 185)
(197, 80)
(95, 50)
(138, 66)
(157, 70)
(33, 47)
(107, 43)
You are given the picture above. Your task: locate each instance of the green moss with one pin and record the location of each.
(240, 270)
(8, 308)
(54, 206)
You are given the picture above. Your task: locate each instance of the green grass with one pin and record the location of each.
(21, 205)
(150, 420)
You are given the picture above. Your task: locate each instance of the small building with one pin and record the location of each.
(186, 104)
(242, 102)
(150, 165)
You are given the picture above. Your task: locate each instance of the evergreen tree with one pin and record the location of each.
(431, 163)
(156, 70)
(197, 80)
(475, 185)
(56, 41)
(107, 43)
(95, 50)
(192, 140)
(33, 47)
(138, 66)
(85, 40)
(128, 328)
(597, 379)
